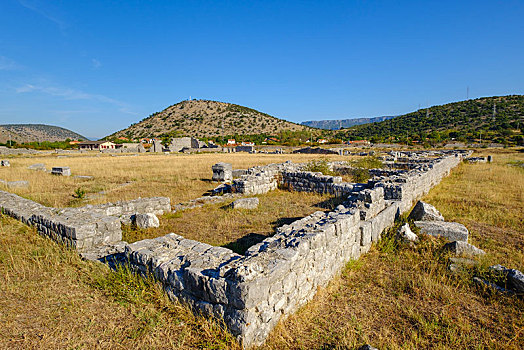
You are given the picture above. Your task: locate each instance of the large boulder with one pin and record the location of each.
(405, 234)
(4, 163)
(145, 220)
(245, 203)
(464, 249)
(425, 212)
(452, 231)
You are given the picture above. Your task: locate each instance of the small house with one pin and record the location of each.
(96, 145)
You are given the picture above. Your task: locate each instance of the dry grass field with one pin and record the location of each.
(179, 177)
(125, 177)
(393, 297)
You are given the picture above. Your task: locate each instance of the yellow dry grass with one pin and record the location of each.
(217, 224)
(51, 299)
(179, 177)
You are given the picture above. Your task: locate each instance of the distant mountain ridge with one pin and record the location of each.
(335, 124)
(36, 133)
(204, 118)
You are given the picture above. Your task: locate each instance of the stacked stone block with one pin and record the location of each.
(307, 181)
(80, 230)
(222, 172)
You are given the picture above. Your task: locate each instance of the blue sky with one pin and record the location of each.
(98, 66)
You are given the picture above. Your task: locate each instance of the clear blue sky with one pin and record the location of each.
(97, 66)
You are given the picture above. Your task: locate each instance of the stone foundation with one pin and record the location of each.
(252, 292)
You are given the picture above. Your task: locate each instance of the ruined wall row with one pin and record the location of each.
(84, 228)
(254, 291)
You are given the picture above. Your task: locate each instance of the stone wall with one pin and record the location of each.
(307, 181)
(80, 230)
(262, 179)
(252, 292)
(179, 143)
(86, 228)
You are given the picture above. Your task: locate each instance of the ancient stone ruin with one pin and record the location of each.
(61, 171)
(253, 291)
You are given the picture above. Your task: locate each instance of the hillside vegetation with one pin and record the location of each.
(496, 119)
(207, 119)
(22, 133)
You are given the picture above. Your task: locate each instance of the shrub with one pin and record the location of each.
(360, 168)
(371, 162)
(319, 166)
(79, 193)
(360, 175)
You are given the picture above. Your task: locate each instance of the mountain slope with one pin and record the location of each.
(343, 123)
(202, 118)
(36, 132)
(464, 121)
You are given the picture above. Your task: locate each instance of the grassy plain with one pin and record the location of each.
(393, 297)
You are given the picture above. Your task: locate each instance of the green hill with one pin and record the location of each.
(497, 119)
(36, 133)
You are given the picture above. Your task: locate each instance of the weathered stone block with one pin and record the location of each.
(515, 278)
(425, 212)
(463, 248)
(452, 231)
(4, 163)
(222, 172)
(61, 171)
(37, 166)
(145, 220)
(245, 203)
(17, 184)
(406, 235)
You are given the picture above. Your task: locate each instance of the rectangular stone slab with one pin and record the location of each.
(452, 231)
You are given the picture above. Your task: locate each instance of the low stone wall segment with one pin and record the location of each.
(85, 228)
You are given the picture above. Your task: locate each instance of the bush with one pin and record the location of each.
(371, 162)
(319, 166)
(360, 168)
(79, 193)
(360, 175)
